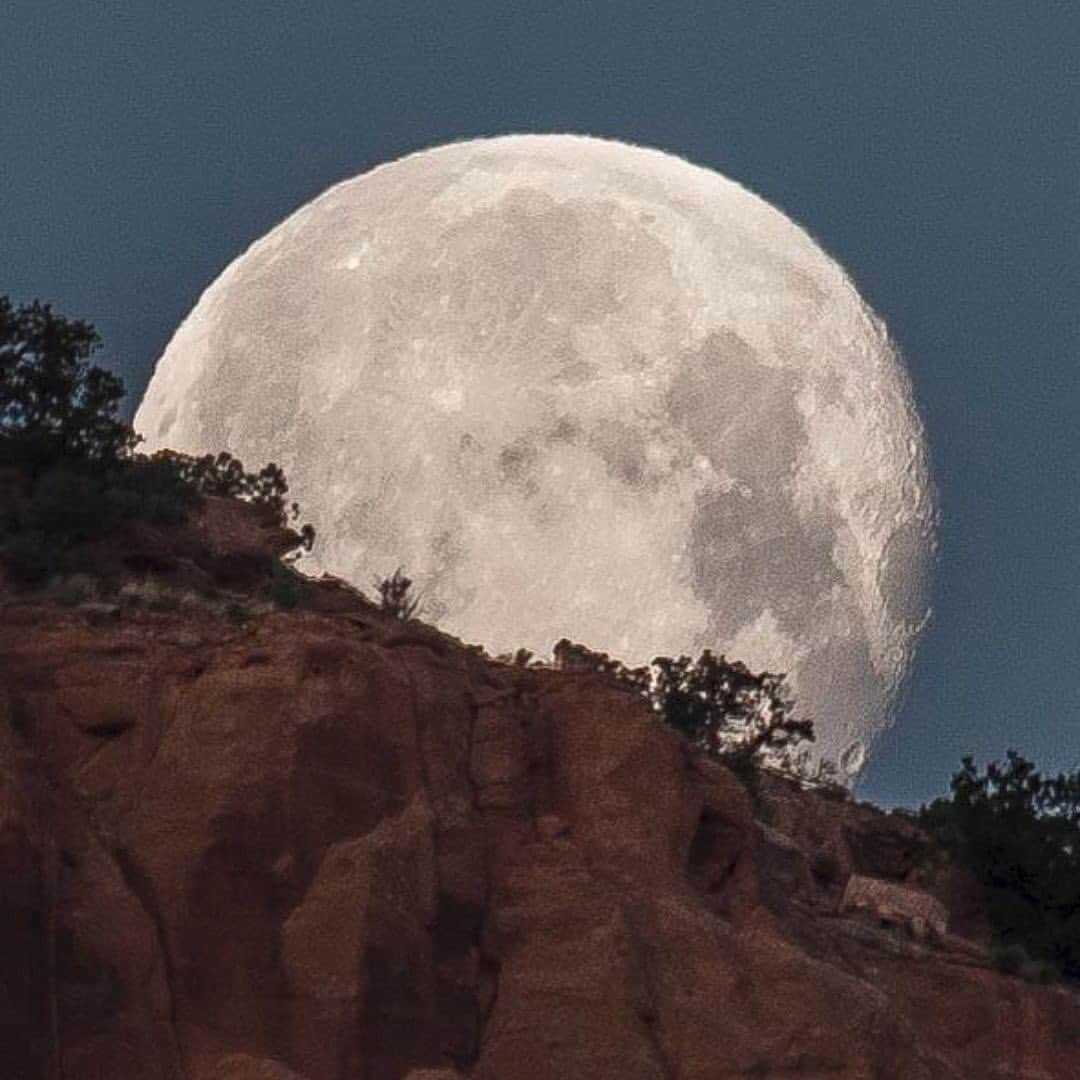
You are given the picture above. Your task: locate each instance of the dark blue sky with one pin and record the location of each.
(932, 147)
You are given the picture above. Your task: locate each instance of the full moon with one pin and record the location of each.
(580, 388)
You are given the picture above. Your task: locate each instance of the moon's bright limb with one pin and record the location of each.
(576, 387)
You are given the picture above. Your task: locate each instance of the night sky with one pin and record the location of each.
(932, 148)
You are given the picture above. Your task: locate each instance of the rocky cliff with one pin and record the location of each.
(241, 843)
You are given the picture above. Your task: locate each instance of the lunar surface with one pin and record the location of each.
(580, 388)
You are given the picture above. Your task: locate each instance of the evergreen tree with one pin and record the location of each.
(1018, 831)
(54, 404)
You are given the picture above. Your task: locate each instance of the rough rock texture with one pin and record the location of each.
(897, 904)
(325, 844)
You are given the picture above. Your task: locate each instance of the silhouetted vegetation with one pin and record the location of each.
(519, 658)
(396, 596)
(726, 709)
(285, 591)
(55, 406)
(718, 705)
(1019, 833)
(69, 470)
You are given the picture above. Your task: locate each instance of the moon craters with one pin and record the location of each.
(585, 389)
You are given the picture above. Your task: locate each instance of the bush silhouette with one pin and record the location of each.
(54, 404)
(75, 506)
(285, 589)
(395, 596)
(69, 471)
(726, 709)
(1018, 831)
(720, 706)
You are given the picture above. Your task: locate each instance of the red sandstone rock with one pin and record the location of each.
(324, 846)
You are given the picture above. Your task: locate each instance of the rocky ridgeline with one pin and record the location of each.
(238, 843)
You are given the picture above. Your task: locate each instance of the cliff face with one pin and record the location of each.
(325, 844)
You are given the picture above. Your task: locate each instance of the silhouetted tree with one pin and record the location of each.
(1019, 833)
(55, 404)
(69, 472)
(224, 475)
(726, 709)
(720, 706)
(395, 596)
(285, 591)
